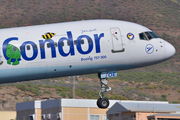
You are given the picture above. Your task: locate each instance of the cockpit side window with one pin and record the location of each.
(142, 36)
(148, 35)
(154, 35)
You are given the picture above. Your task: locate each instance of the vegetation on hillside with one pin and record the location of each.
(159, 14)
(162, 16)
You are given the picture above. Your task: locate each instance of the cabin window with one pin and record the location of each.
(55, 44)
(28, 47)
(48, 45)
(14, 49)
(42, 46)
(82, 41)
(35, 47)
(75, 42)
(69, 43)
(21, 48)
(62, 44)
(89, 41)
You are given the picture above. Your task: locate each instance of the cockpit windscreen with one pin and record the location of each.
(147, 36)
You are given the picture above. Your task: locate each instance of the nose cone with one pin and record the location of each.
(170, 50)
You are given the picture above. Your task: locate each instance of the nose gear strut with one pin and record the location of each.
(103, 102)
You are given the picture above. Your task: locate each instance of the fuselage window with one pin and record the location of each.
(55, 44)
(14, 49)
(62, 44)
(35, 47)
(28, 47)
(148, 35)
(21, 48)
(75, 42)
(82, 41)
(42, 46)
(69, 43)
(142, 36)
(48, 45)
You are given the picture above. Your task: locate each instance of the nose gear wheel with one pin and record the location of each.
(103, 102)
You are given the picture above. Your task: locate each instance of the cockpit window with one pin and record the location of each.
(154, 35)
(147, 36)
(142, 36)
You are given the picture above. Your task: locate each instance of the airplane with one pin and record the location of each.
(80, 47)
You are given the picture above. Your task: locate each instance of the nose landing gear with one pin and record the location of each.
(103, 102)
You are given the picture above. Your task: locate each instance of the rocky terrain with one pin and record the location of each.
(86, 88)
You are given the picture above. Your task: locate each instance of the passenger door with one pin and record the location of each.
(117, 43)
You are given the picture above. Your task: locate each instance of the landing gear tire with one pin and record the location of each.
(103, 103)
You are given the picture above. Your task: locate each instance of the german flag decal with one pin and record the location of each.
(48, 35)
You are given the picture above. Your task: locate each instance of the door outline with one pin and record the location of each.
(117, 43)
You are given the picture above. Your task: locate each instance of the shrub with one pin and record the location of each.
(16, 98)
(36, 92)
(48, 92)
(151, 87)
(21, 87)
(63, 94)
(16, 92)
(140, 88)
(118, 97)
(99, 9)
(114, 4)
(163, 95)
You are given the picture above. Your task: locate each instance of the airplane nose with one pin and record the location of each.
(170, 50)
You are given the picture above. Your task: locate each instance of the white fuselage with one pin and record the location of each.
(82, 47)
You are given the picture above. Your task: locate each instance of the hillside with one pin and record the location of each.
(86, 88)
(157, 82)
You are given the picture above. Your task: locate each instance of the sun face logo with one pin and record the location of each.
(130, 36)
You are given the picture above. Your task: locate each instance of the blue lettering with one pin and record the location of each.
(42, 44)
(23, 52)
(70, 41)
(79, 48)
(71, 50)
(110, 74)
(97, 41)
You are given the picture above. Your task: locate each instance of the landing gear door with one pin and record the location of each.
(117, 44)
